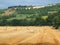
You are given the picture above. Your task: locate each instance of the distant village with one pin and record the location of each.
(26, 7)
(29, 7)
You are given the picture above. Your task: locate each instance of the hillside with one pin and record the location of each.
(35, 10)
(32, 35)
(29, 16)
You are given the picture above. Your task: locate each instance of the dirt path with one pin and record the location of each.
(44, 35)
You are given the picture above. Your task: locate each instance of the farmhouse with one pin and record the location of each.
(52, 12)
(38, 6)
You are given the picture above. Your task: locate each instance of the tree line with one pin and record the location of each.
(52, 20)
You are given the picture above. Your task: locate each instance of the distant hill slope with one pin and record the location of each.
(28, 14)
(29, 9)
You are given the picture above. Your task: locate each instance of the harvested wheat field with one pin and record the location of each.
(29, 35)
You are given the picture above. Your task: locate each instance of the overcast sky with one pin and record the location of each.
(7, 3)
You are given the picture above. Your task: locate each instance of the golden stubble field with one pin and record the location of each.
(29, 35)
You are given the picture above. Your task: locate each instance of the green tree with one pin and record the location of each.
(3, 22)
(56, 22)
